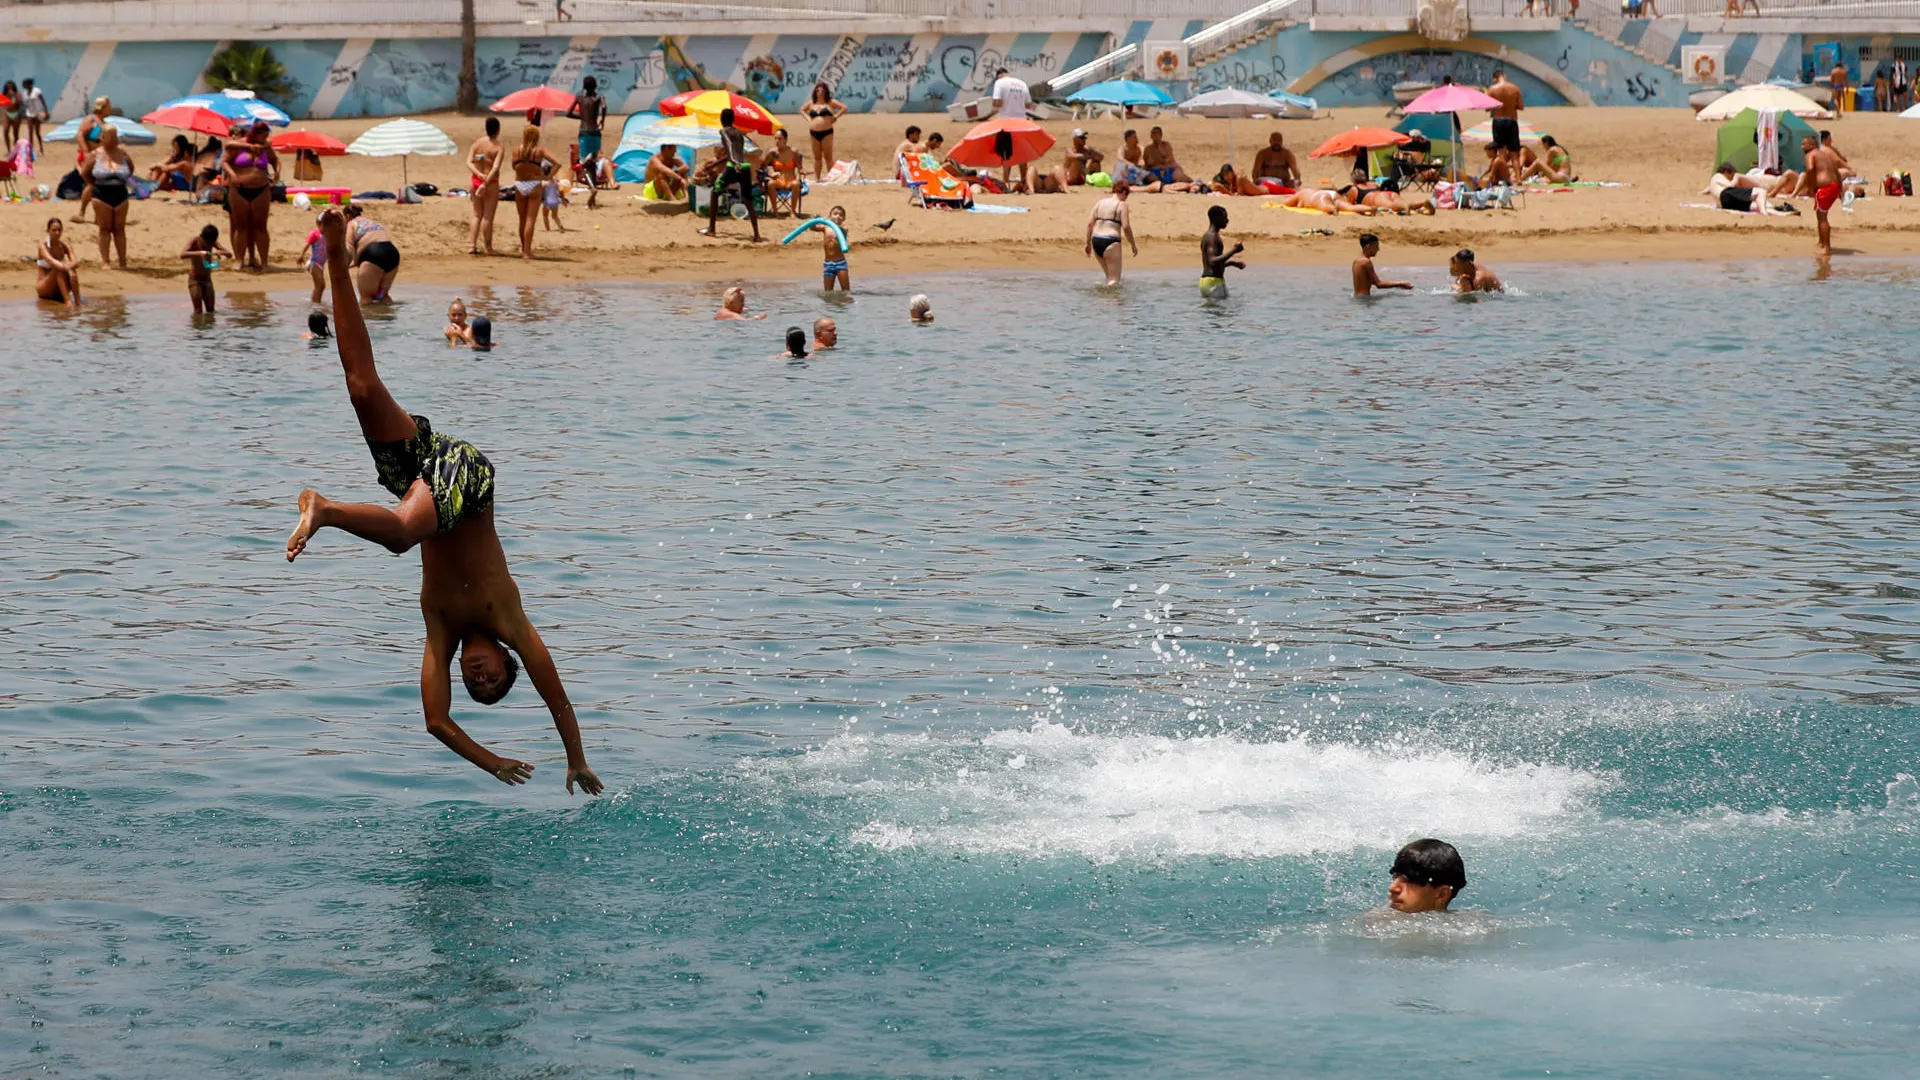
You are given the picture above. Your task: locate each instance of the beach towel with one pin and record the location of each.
(1767, 131)
(23, 158)
(995, 208)
(843, 172)
(930, 185)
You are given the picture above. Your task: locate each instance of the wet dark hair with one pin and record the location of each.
(493, 127)
(1217, 215)
(1431, 862)
(482, 328)
(1464, 255)
(499, 689)
(210, 233)
(317, 324)
(726, 117)
(1368, 238)
(796, 341)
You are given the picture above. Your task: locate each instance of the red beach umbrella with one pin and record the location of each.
(1005, 140)
(190, 118)
(748, 115)
(534, 97)
(302, 139)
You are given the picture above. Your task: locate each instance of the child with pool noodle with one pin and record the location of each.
(467, 595)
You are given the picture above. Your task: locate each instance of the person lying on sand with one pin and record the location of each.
(1396, 202)
(1228, 182)
(467, 595)
(1734, 191)
(1327, 202)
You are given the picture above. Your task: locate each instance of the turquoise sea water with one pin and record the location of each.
(1041, 693)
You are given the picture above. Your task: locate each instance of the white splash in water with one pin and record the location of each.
(1048, 790)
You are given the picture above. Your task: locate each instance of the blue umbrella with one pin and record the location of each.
(234, 105)
(131, 132)
(1125, 92)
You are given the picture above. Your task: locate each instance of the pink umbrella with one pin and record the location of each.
(1451, 98)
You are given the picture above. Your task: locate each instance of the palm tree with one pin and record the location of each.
(244, 66)
(467, 97)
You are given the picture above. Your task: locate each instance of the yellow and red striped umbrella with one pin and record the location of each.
(707, 104)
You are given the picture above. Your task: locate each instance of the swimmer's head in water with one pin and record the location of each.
(838, 215)
(457, 311)
(1462, 258)
(1369, 244)
(317, 324)
(734, 299)
(1217, 216)
(482, 332)
(826, 334)
(920, 308)
(487, 668)
(1427, 875)
(796, 341)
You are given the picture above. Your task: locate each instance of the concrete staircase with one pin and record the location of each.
(1655, 45)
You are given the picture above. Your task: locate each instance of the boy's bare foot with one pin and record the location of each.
(509, 771)
(311, 503)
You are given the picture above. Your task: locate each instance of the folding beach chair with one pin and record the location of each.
(931, 187)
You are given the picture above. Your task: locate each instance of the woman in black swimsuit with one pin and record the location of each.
(110, 171)
(822, 111)
(251, 169)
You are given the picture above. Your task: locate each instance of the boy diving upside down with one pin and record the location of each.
(467, 595)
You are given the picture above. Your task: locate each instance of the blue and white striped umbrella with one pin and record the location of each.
(130, 131)
(402, 138)
(234, 105)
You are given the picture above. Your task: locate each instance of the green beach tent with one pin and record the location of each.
(1738, 144)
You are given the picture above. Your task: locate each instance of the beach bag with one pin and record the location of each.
(1099, 179)
(1443, 196)
(70, 186)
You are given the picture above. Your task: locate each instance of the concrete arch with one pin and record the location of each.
(1394, 43)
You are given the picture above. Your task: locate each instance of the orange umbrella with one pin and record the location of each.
(1360, 138)
(1006, 140)
(534, 97)
(302, 139)
(708, 104)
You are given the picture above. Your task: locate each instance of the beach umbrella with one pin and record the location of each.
(1911, 114)
(1739, 141)
(302, 139)
(1360, 138)
(1230, 104)
(131, 133)
(640, 141)
(1125, 92)
(189, 118)
(1762, 96)
(1483, 132)
(1452, 98)
(402, 138)
(1002, 141)
(234, 105)
(747, 115)
(535, 97)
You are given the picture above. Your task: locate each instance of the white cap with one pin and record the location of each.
(1079, 133)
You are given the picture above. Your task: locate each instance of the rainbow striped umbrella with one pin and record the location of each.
(707, 104)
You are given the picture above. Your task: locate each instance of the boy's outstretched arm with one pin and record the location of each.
(436, 697)
(546, 679)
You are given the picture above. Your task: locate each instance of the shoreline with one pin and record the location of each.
(733, 262)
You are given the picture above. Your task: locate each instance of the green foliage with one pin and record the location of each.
(245, 66)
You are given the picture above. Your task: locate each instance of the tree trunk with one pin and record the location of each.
(467, 97)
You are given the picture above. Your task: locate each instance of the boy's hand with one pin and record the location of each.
(333, 226)
(589, 783)
(510, 771)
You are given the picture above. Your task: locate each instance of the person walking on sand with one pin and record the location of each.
(591, 109)
(468, 598)
(736, 173)
(531, 163)
(1011, 99)
(1365, 277)
(1822, 175)
(1110, 223)
(37, 113)
(1506, 120)
(1215, 256)
(484, 160)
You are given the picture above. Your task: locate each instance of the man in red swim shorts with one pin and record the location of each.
(1823, 176)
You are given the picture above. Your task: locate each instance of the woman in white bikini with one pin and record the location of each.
(531, 163)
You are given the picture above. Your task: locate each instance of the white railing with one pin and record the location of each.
(231, 17)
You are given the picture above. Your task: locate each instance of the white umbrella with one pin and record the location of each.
(402, 138)
(1230, 104)
(1911, 114)
(1762, 97)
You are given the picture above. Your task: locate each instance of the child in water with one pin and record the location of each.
(1427, 875)
(457, 331)
(202, 255)
(833, 264)
(314, 257)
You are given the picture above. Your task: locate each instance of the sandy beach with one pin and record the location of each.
(1663, 155)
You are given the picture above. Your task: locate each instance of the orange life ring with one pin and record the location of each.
(1168, 61)
(1704, 66)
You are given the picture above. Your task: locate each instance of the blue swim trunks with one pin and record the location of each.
(589, 145)
(836, 266)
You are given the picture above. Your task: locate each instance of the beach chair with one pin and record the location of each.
(931, 187)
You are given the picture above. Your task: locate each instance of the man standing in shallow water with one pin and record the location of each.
(467, 595)
(1365, 277)
(1214, 258)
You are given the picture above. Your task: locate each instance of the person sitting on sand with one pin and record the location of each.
(58, 267)
(668, 174)
(1497, 172)
(1365, 277)
(1228, 182)
(1470, 277)
(1215, 256)
(1081, 159)
(826, 334)
(1126, 164)
(785, 163)
(1734, 191)
(1427, 876)
(1555, 168)
(920, 309)
(1275, 164)
(1158, 159)
(733, 305)
(937, 150)
(467, 593)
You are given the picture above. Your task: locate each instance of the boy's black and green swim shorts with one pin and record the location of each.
(458, 474)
